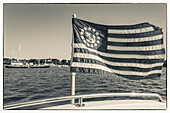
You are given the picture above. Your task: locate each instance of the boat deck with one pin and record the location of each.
(106, 104)
(115, 104)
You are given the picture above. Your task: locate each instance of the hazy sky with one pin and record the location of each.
(45, 30)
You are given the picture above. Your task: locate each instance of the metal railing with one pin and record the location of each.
(80, 98)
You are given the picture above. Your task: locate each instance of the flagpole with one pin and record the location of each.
(73, 74)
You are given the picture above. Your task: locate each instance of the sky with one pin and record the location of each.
(45, 30)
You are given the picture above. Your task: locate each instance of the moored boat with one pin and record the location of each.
(16, 65)
(11, 66)
(39, 66)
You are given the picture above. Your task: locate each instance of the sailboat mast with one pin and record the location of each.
(19, 53)
(45, 58)
(12, 56)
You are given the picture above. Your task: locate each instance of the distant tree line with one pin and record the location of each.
(8, 61)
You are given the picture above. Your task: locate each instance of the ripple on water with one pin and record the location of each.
(22, 85)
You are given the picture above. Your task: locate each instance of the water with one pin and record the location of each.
(22, 85)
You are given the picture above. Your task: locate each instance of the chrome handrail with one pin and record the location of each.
(81, 97)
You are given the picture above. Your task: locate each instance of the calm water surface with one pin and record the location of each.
(22, 85)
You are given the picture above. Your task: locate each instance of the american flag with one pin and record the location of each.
(130, 51)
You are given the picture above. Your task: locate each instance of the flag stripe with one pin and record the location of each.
(151, 38)
(95, 52)
(143, 48)
(90, 56)
(134, 69)
(136, 44)
(89, 60)
(153, 52)
(137, 77)
(126, 27)
(124, 56)
(132, 60)
(88, 70)
(98, 71)
(141, 30)
(89, 65)
(138, 35)
(104, 68)
(103, 62)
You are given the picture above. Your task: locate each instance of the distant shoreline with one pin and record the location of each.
(55, 61)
